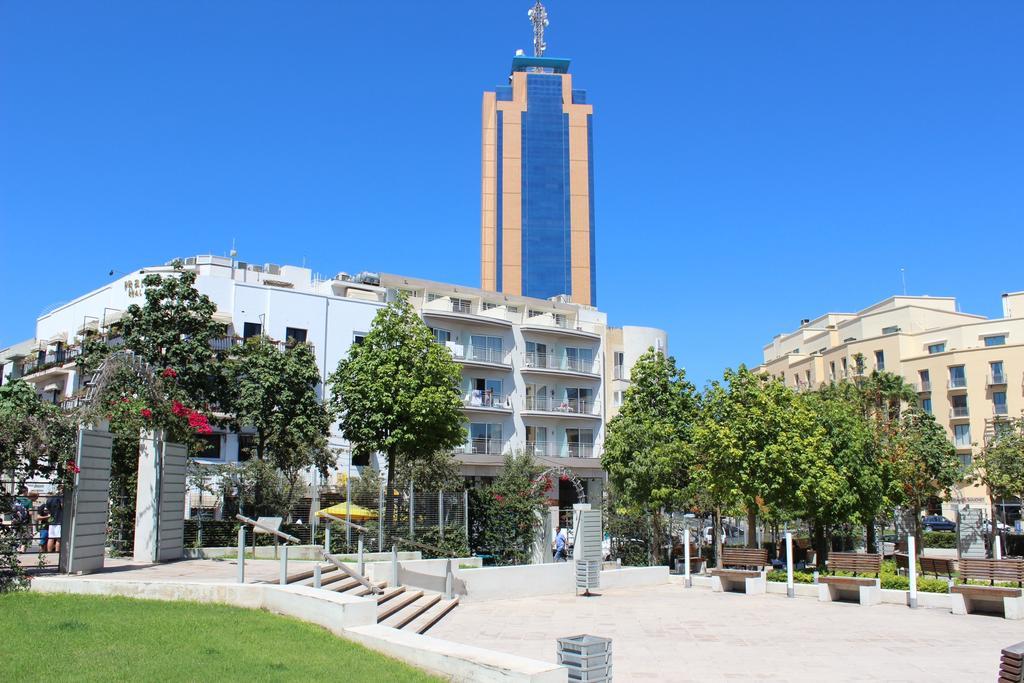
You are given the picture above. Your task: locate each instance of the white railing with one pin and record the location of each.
(550, 361)
(1000, 409)
(481, 447)
(957, 383)
(478, 354)
(959, 412)
(570, 406)
(486, 399)
(545, 449)
(581, 450)
(924, 387)
(994, 380)
(619, 372)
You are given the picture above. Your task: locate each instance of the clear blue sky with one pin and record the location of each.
(756, 162)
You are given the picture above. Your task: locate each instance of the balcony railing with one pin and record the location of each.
(1000, 409)
(481, 447)
(958, 412)
(996, 380)
(51, 359)
(581, 450)
(957, 383)
(486, 399)
(619, 372)
(550, 361)
(924, 387)
(570, 406)
(478, 354)
(550, 449)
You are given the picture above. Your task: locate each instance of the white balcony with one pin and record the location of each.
(487, 401)
(560, 324)
(481, 447)
(959, 413)
(995, 380)
(620, 373)
(560, 364)
(957, 384)
(452, 308)
(924, 387)
(569, 407)
(474, 355)
(1000, 410)
(550, 449)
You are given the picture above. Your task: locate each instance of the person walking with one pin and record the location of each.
(560, 538)
(22, 518)
(55, 506)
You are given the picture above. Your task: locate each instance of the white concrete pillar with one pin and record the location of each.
(147, 502)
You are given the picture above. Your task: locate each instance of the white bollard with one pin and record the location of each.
(394, 565)
(360, 554)
(997, 548)
(912, 569)
(316, 575)
(241, 554)
(686, 558)
(790, 588)
(284, 565)
(327, 537)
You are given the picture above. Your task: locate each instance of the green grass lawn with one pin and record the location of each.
(53, 637)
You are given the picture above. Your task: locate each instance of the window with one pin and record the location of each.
(485, 348)
(581, 442)
(957, 377)
(926, 380)
(995, 340)
(561, 320)
(537, 440)
(533, 313)
(999, 401)
(431, 296)
(441, 336)
(937, 348)
(879, 360)
(996, 372)
(488, 305)
(831, 371)
(844, 368)
(512, 309)
(486, 392)
(926, 405)
(536, 355)
(807, 375)
(485, 438)
(579, 359)
(296, 335)
(209, 446)
(618, 398)
(962, 436)
(965, 460)
(246, 447)
(251, 330)
(578, 400)
(893, 329)
(358, 338)
(461, 305)
(959, 403)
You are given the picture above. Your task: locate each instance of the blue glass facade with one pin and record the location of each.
(546, 246)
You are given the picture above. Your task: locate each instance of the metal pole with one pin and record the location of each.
(790, 588)
(327, 536)
(465, 513)
(284, 564)
(412, 510)
(360, 554)
(241, 554)
(686, 557)
(316, 575)
(440, 515)
(449, 580)
(348, 505)
(381, 521)
(912, 568)
(394, 564)
(997, 547)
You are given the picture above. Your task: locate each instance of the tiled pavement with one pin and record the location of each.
(669, 633)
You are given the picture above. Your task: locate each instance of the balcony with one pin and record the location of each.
(478, 356)
(451, 308)
(1000, 409)
(486, 400)
(995, 380)
(581, 450)
(52, 359)
(558, 323)
(619, 372)
(570, 407)
(957, 384)
(481, 447)
(550, 449)
(924, 387)
(561, 364)
(959, 413)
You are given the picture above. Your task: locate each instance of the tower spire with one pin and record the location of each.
(539, 18)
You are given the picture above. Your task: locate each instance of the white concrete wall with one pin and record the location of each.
(521, 581)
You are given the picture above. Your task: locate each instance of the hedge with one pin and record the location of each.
(940, 539)
(889, 579)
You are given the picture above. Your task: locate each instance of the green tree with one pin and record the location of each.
(647, 449)
(397, 392)
(36, 439)
(274, 392)
(507, 513)
(1000, 465)
(924, 464)
(174, 329)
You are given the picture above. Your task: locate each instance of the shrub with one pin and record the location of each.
(779, 575)
(940, 539)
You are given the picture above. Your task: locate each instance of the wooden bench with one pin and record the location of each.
(868, 591)
(743, 567)
(696, 559)
(1011, 664)
(969, 598)
(929, 565)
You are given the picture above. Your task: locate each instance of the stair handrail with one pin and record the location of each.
(288, 538)
(374, 588)
(394, 539)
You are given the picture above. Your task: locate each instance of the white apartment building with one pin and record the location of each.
(535, 374)
(968, 370)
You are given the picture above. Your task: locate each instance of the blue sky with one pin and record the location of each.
(756, 163)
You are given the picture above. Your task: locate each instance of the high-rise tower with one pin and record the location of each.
(537, 206)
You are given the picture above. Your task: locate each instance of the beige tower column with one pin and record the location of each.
(579, 193)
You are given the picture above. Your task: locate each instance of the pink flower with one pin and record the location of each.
(146, 413)
(498, 497)
(72, 467)
(169, 372)
(179, 409)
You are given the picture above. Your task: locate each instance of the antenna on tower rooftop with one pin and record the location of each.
(539, 18)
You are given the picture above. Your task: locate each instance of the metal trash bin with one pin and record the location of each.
(588, 658)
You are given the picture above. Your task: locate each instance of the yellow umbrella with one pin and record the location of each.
(341, 510)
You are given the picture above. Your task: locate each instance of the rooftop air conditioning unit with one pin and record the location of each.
(368, 278)
(272, 269)
(343, 276)
(242, 265)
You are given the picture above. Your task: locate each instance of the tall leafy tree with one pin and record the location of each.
(647, 448)
(1000, 465)
(274, 391)
(397, 393)
(924, 464)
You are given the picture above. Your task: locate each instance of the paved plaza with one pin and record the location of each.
(670, 633)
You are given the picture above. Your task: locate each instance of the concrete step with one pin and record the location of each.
(432, 616)
(366, 591)
(407, 615)
(328, 574)
(381, 599)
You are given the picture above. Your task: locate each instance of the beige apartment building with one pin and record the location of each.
(968, 370)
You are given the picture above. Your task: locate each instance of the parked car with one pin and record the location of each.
(986, 527)
(938, 523)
